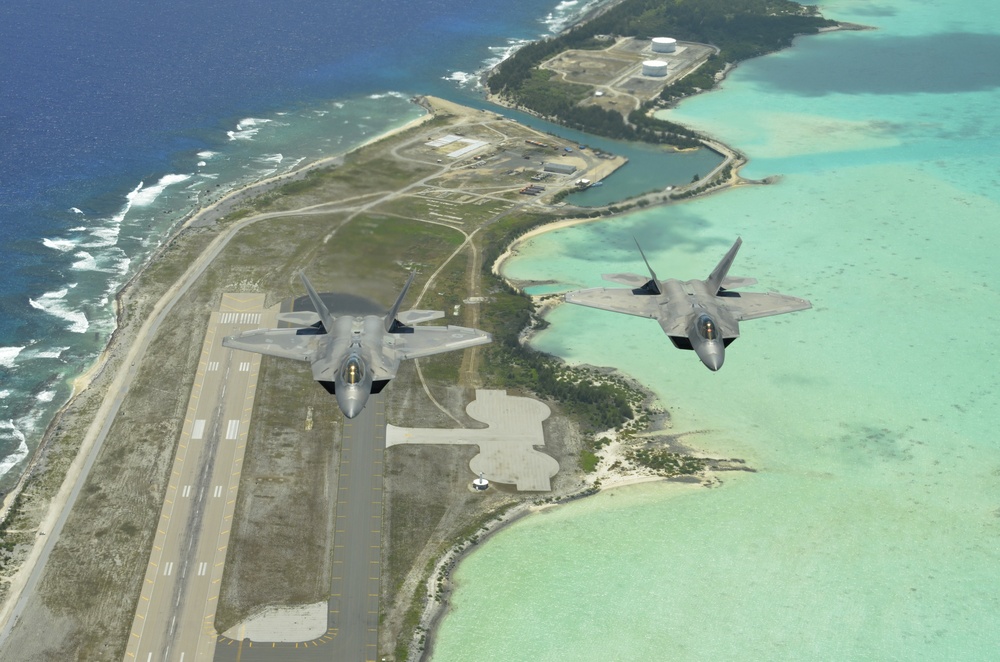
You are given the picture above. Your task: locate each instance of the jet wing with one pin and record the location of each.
(428, 340)
(617, 300)
(283, 343)
(751, 305)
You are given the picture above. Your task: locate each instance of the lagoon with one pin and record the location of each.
(870, 529)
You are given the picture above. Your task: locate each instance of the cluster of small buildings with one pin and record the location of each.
(532, 190)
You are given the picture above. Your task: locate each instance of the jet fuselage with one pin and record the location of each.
(353, 339)
(687, 300)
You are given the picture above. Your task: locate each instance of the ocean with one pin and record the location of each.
(871, 527)
(118, 119)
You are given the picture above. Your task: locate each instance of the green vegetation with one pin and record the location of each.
(741, 29)
(599, 401)
(666, 463)
(8, 540)
(551, 97)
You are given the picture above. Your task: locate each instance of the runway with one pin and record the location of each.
(353, 608)
(175, 616)
(174, 619)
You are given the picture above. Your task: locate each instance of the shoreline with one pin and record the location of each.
(438, 604)
(201, 216)
(126, 345)
(439, 584)
(614, 471)
(123, 347)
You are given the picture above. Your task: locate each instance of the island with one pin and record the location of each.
(610, 74)
(448, 196)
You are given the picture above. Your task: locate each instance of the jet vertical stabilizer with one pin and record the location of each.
(718, 274)
(653, 285)
(317, 302)
(390, 317)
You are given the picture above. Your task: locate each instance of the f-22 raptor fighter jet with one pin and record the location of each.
(353, 357)
(702, 315)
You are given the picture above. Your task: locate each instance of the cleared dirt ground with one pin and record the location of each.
(86, 598)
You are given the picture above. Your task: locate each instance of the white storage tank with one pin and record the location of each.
(656, 68)
(664, 44)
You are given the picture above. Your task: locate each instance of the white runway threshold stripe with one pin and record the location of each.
(233, 428)
(198, 431)
(240, 318)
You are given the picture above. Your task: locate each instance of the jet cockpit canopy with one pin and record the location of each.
(706, 328)
(353, 371)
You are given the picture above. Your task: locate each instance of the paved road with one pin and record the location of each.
(353, 614)
(175, 616)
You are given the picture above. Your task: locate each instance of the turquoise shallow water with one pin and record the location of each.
(872, 528)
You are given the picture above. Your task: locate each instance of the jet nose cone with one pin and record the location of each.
(351, 402)
(713, 360)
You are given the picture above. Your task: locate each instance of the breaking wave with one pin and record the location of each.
(247, 128)
(9, 431)
(49, 354)
(397, 95)
(145, 196)
(8, 354)
(61, 245)
(53, 303)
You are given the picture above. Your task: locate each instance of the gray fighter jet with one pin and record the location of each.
(702, 315)
(353, 357)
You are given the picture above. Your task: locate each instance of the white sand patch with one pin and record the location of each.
(285, 624)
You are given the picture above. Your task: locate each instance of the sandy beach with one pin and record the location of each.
(124, 349)
(109, 376)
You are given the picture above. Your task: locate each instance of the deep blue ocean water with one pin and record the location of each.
(117, 118)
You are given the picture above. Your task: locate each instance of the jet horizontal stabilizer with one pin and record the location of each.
(303, 318)
(632, 280)
(733, 282)
(418, 316)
